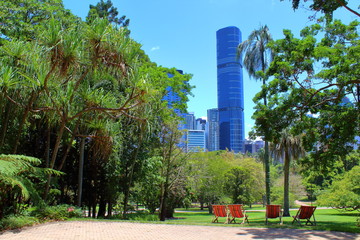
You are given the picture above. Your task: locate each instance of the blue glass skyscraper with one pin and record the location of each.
(230, 90)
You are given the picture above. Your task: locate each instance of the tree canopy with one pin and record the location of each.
(326, 7)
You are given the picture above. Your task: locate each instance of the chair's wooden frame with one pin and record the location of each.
(237, 211)
(220, 211)
(305, 212)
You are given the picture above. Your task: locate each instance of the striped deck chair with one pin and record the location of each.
(220, 211)
(273, 211)
(305, 212)
(237, 211)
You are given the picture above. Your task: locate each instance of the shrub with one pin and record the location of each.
(59, 212)
(142, 216)
(17, 221)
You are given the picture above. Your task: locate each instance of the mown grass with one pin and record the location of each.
(327, 219)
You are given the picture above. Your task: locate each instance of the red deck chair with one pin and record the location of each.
(237, 211)
(305, 212)
(273, 211)
(220, 211)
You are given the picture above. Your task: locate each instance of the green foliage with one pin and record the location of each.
(138, 216)
(311, 76)
(59, 212)
(225, 177)
(62, 80)
(245, 182)
(17, 221)
(21, 18)
(325, 7)
(296, 190)
(206, 175)
(343, 193)
(19, 176)
(106, 10)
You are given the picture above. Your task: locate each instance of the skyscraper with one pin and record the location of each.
(213, 135)
(230, 90)
(195, 141)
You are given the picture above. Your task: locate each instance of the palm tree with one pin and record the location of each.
(288, 147)
(257, 57)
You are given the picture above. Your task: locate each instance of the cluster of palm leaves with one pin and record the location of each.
(71, 82)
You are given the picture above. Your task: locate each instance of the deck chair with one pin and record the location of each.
(237, 211)
(220, 211)
(273, 211)
(305, 212)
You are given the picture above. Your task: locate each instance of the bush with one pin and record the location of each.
(59, 212)
(143, 216)
(15, 221)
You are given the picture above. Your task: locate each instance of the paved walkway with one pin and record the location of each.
(95, 230)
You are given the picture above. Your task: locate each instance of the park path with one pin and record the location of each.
(107, 230)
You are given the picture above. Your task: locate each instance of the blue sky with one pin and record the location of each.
(182, 34)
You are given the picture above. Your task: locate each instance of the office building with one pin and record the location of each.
(253, 146)
(195, 141)
(189, 119)
(230, 90)
(213, 129)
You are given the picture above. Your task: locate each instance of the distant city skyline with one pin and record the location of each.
(182, 35)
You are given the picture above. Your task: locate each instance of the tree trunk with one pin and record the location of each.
(210, 208)
(286, 184)
(5, 123)
(163, 200)
(47, 146)
(102, 207)
(22, 122)
(267, 158)
(81, 171)
(53, 157)
(110, 209)
(267, 173)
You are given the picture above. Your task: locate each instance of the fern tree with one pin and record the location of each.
(18, 174)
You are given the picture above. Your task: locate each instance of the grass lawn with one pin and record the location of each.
(327, 219)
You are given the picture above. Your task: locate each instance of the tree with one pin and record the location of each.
(67, 80)
(18, 177)
(206, 176)
(288, 147)
(20, 19)
(343, 193)
(244, 182)
(106, 10)
(311, 79)
(326, 7)
(257, 57)
(172, 167)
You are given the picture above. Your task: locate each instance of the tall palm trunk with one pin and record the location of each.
(258, 57)
(286, 184)
(267, 160)
(81, 171)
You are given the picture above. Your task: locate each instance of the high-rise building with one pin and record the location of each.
(230, 90)
(195, 141)
(189, 121)
(200, 124)
(253, 146)
(213, 129)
